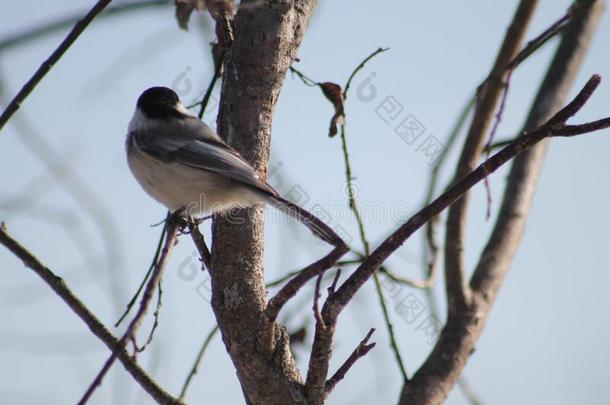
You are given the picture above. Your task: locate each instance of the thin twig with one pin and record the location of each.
(421, 284)
(58, 285)
(348, 262)
(294, 285)
(468, 391)
(336, 303)
(554, 127)
(390, 327)
(363, 238)
(359, 67)
(354, 208)
(202, 247)
(333, 286)
(291, 274)
(350, 193)
(430, 256)
(363, 348)
(316, 376)
(436, 376)
(492, 135)
(97, 381)
(197, 363)
(499, 145)
(148, 272)
(282, 279)
(535, 44)
(155, 319)
(46, 66)
(208, 93)
(153, 282)
(316, 297)
(488, 95)
(531, 47)
(306, 80)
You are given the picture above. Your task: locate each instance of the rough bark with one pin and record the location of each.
(266, 37)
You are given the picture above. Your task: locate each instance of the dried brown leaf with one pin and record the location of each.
(216, 8)
(184, 9)
(334, 94)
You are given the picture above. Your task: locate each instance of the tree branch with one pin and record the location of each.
(152, 266)
(321, 351)
(553, 127)
(295, 284)
(363, 348)
(46, 66)
(265, 40)
(201, 246)
(507, 231)
(487, 98)
(58, 285)
(155, 278)
(433, 381)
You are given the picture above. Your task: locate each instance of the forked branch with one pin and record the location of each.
(555, 126)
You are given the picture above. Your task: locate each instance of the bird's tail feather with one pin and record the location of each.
(316, 225)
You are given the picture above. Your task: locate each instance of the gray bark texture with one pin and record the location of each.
(266, 38)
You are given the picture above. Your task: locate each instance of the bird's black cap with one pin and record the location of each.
(159, 103)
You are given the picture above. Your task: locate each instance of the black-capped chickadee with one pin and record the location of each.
(182, 163)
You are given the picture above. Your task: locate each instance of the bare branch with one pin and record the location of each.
(489, 94)
(430, 254)
(58, 285)
(46, 66)
(333, 286)
(551, 128)
(156, 315)
(433, 381)
(316, 297)
(202, 247)
(423, 284)
(305, 79)
(153, 282)
(363, 348)
(359, 67)
(531, 47)
(86, 197)
(390, 328)
(352, 203)
(293, 286)
(321, 350)
(152, 266)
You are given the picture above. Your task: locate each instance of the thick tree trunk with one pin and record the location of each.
(266, 38)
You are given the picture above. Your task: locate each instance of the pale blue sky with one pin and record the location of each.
(544, 342)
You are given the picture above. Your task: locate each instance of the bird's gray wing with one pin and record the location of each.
(197, 145)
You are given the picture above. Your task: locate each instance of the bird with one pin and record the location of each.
(186, 166)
